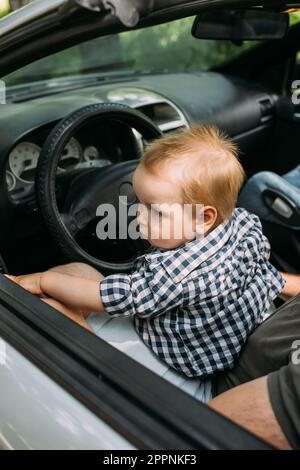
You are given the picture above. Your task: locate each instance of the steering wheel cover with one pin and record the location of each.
(47, 168)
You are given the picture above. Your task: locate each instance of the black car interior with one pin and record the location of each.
(63, 152)
(242, 97)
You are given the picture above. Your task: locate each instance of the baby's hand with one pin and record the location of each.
(29, 282)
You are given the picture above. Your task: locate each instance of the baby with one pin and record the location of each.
(201, 290)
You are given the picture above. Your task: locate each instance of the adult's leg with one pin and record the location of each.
(244, 393)
(74, 315)
(249, 406)
(268, 348)
(79, 270)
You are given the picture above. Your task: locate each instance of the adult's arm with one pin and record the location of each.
(292, 285)
(249, 406)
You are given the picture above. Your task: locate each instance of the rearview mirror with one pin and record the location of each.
(251, 24)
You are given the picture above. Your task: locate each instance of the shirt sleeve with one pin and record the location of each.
(265, 247)
(146, 293)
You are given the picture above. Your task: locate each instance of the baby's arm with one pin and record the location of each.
(78, 293)
(32, 282)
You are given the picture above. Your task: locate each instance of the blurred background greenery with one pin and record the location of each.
(169, 46)
(7, 6)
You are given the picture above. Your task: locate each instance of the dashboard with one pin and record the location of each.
(95, 146)
(172, 100)
(24, 157)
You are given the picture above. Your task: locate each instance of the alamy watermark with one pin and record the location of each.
(296, 352)
(296, 92)
(153, 222)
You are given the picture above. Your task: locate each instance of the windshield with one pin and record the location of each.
(169, 47)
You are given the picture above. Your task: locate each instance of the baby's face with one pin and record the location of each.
(162, 217)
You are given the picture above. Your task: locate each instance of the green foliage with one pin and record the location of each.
(173, 47)
(168, 46)
(294, 18)
(3, 13)
(4, 8)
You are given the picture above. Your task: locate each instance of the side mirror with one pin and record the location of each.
(239, 25)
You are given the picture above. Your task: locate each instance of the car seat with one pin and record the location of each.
(276, 200)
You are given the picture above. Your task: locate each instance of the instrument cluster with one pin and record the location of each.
(24, 157)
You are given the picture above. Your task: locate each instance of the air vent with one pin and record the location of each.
(165, 115)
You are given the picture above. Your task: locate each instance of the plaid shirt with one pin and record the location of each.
(195, 306)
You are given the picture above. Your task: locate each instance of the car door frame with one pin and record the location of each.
(149, 411)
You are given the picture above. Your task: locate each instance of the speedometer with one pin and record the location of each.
(23, 161)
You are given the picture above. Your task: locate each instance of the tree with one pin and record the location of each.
(4, 7)
(15, 4)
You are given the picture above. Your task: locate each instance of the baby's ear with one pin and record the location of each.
(210, 215)
(199, 221)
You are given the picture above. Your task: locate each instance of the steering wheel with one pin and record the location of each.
(89, 188)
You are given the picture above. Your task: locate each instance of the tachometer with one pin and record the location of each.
(91, 153)
(71, 155)
(23, 161)
(95, 158)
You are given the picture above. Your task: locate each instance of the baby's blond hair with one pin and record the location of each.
(211, 173)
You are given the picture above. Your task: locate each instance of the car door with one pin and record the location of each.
(62, 387)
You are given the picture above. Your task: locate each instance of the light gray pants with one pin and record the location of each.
(120, 333)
